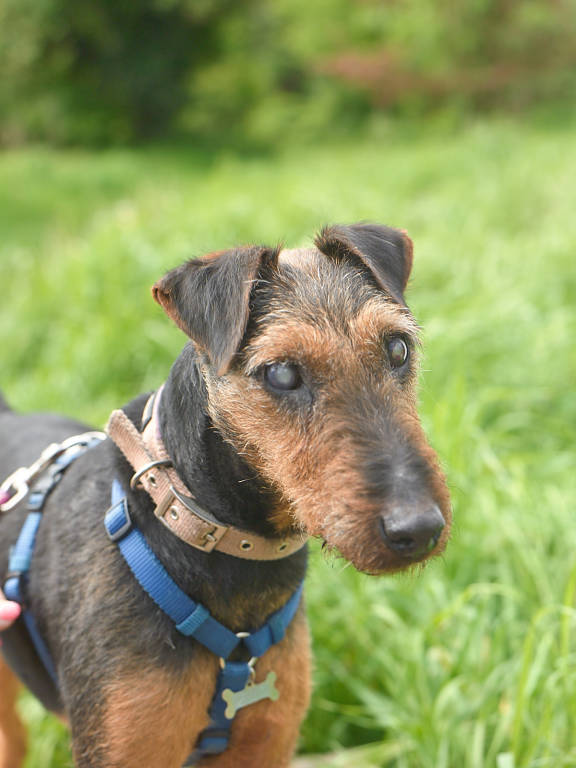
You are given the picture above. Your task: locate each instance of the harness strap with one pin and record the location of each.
(14, 586)
(192, 619)
(21, 553)
(214, 739)
(176, 507)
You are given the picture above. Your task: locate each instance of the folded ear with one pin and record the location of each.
(386, 252)
(209, 299)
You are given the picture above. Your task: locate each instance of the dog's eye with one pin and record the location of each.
(397, 352)
(282, 377)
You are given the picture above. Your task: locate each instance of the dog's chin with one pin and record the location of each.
(378, 561)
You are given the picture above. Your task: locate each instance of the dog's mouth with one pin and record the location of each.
(376, 532)
(387, 543)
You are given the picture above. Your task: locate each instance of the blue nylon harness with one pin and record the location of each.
(21, 553)
(193, 620)
(190, 618)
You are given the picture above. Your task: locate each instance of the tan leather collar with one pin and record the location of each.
(175, 504)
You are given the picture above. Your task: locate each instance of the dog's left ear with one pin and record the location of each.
(209, 299)
(385, 251)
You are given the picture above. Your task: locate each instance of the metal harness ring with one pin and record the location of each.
(16, 486)
(251, 662)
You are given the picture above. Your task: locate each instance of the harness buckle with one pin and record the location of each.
(16, 487)
(54, 450)
(118, 521)
(13, 587)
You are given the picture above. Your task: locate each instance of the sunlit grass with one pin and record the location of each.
(472, 662)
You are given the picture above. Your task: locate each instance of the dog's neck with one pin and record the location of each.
(236, 591)
(220, 479)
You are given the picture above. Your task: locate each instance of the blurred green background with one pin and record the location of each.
(253, 71)
(135, 135)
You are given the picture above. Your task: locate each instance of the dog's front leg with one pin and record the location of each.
(150, 717)
(12, 734)
(146, 718)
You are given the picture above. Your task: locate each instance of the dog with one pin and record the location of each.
(291, 412)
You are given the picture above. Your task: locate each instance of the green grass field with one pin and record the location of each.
(470, 663)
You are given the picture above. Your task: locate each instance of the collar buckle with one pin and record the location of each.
(207, 532)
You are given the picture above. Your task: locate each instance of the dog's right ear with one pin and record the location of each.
(209, 299)
(386, 252)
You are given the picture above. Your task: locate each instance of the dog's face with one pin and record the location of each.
(310, 363)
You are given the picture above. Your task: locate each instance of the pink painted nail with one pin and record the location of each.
(9, 611)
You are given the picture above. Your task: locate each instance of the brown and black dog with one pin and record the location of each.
(293, 409)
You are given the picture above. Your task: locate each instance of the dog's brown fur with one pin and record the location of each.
(12, 734)
(329, 310)
(314, 463)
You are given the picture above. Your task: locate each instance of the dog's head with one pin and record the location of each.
(310, 361)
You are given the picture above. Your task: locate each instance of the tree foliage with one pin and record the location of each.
(101, 71)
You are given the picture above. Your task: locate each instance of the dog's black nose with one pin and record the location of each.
(412, 531)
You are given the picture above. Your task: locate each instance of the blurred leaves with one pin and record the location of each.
(100, 72)
(115, 71)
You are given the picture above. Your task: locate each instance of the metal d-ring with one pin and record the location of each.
(14, 489)
(137, 475)
(251, 662)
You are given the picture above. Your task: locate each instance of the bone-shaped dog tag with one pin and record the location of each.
(250, 695)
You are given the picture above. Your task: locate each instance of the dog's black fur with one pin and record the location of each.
(96, 619)
(81, 630)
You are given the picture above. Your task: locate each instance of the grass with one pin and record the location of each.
(470, 663)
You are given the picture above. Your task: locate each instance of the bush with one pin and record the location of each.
(101, 71)
(115, 71)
